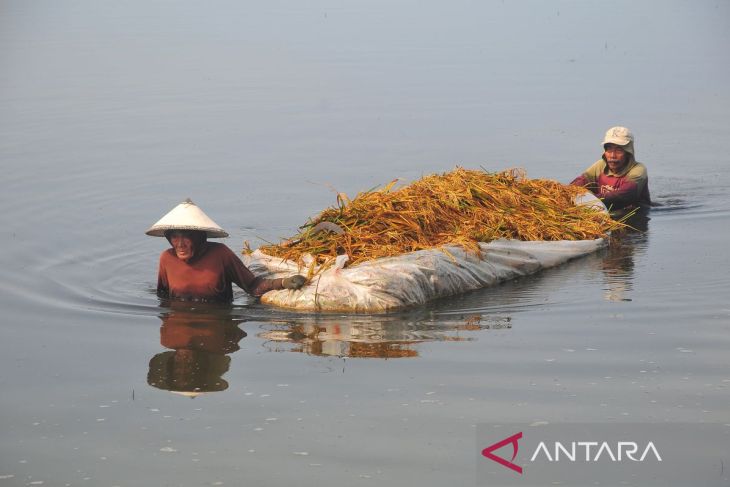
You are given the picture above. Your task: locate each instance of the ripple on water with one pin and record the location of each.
(82, 279)
(682, 197)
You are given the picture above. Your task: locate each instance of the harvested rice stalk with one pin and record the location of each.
(461, 207)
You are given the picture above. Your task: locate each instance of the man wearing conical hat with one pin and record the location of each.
(197, 270)
(617, 178)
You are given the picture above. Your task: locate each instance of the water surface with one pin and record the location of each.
(112, 113)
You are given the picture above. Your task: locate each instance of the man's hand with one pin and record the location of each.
(293, 282)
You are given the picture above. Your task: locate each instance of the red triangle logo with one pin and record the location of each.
(487, 452)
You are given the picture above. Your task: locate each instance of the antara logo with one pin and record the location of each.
(622, 450)
(575, 451)
(487, 452)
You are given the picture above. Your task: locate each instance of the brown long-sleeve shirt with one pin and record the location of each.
(208, 276)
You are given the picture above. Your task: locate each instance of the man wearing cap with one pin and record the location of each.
(617, 178)
(197, 270)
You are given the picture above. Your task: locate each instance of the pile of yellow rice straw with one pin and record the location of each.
(462, 207)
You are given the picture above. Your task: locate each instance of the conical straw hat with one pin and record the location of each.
(186, 216)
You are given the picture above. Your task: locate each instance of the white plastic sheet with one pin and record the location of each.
(417, 277)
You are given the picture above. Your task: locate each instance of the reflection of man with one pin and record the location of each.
(618, 264)
(199, 341)
(617, 178)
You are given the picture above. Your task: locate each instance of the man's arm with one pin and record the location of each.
(245, 279)
(163, 286)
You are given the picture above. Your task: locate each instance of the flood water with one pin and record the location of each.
(111, 113)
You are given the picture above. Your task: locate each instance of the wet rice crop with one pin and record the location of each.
(461, 207)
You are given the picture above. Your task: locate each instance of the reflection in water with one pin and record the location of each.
(199, 338)
(618, 261)
(371, 339)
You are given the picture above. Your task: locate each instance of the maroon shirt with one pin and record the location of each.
(625, 190)
(208, 275)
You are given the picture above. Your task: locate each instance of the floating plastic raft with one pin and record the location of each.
(414, 278)
(417, 277)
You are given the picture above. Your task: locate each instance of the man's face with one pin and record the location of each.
(616, 157)
(182, 243)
